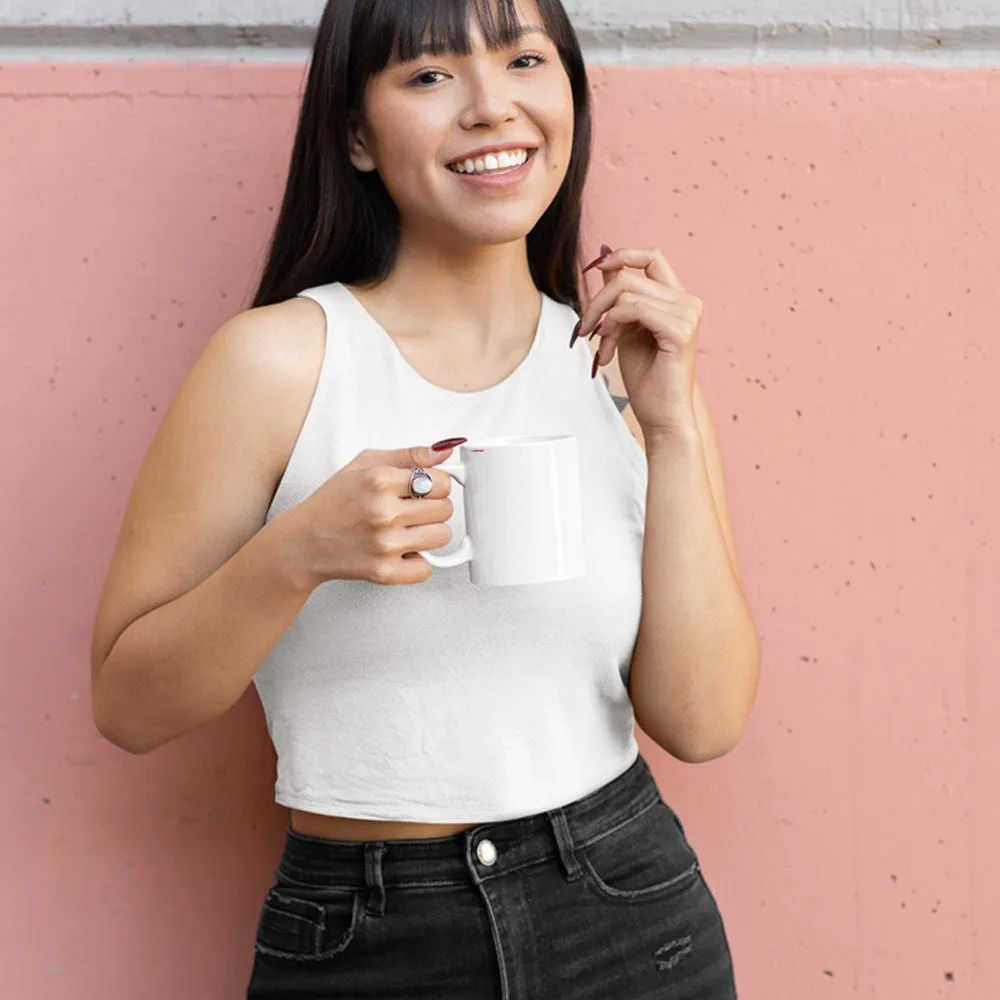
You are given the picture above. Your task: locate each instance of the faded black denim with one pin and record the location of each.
(600, 899)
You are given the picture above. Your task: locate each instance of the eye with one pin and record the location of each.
(530, 55)
(420, 81)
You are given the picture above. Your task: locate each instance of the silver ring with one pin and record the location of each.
(420, 483)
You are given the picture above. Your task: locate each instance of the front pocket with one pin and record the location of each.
(307, 924)
(646, 857)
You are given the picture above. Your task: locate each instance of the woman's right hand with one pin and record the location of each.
(362, 524)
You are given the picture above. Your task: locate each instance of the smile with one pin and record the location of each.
(493, 164)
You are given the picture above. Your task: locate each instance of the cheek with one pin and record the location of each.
(402, 166)
(562, 143)
(405, 142)
(560, 115)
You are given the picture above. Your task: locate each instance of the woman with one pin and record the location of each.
(469, 812)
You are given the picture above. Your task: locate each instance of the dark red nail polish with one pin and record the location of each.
(596, 330)
(606, 251)
(593, 370)
(447, 443)
(576, 333)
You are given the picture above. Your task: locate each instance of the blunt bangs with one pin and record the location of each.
(386, 32)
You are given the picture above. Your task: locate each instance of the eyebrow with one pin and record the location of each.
(519, 33)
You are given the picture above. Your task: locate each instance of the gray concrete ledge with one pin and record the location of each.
(678, 42)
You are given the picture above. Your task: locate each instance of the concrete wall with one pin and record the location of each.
(840, 222)
(631, 32)
(586, 14)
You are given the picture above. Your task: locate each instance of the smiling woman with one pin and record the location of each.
(415, 82)
(459, 762)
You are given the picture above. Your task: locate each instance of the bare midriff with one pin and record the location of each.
(348, 828)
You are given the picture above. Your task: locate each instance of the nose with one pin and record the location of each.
(490, 100)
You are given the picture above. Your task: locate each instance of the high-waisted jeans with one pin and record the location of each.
(600, 899)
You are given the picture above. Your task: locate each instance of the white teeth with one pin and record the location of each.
(492, 162)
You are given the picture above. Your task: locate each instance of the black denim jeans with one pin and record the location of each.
(601, 899)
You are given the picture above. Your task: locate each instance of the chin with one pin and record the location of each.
(496, 233)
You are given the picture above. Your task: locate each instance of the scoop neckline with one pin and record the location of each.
(433, 387)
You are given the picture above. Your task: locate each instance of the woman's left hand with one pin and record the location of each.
(653, 322)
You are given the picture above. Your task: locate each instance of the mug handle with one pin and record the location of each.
(464, 552)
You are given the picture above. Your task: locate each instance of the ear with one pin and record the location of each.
(358, 147)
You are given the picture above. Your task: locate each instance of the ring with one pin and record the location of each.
(420, 483)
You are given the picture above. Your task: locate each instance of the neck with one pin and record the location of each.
(481, 297)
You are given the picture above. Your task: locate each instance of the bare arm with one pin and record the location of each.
(187, 662)
(199, 589)
(696, 662)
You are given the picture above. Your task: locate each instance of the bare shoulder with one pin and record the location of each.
(279, 348)
(266, 360)
(210, 473)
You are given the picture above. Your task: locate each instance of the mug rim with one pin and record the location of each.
(514, 441)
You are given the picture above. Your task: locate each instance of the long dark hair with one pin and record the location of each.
(340, 224)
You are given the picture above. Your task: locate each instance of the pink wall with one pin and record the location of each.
(842, 226)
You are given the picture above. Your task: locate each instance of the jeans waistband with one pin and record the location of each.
(464, 857)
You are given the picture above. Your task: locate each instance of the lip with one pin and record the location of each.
(499, 180)
(505, 148)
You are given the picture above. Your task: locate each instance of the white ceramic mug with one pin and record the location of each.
(523, 510)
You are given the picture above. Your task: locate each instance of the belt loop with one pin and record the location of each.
(374, 849)
(564, 841)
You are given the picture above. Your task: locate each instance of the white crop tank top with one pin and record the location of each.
(444, 701)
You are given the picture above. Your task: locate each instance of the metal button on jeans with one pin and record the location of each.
(486, 852)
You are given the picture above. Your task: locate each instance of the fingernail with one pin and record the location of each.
(447, 443)
(606, 251)
(576, 333)
(597, 329)
(593, 370)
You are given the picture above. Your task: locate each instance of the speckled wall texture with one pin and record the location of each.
(842, 226)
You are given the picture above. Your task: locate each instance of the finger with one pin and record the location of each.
(399, 483)
(606, 251)
(424, 510)
(607, 276)
(659, 318)
(407, 458)
(617, 284)
(653, 262)
(415, 537)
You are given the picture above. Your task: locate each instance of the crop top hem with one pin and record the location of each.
(443, 811)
